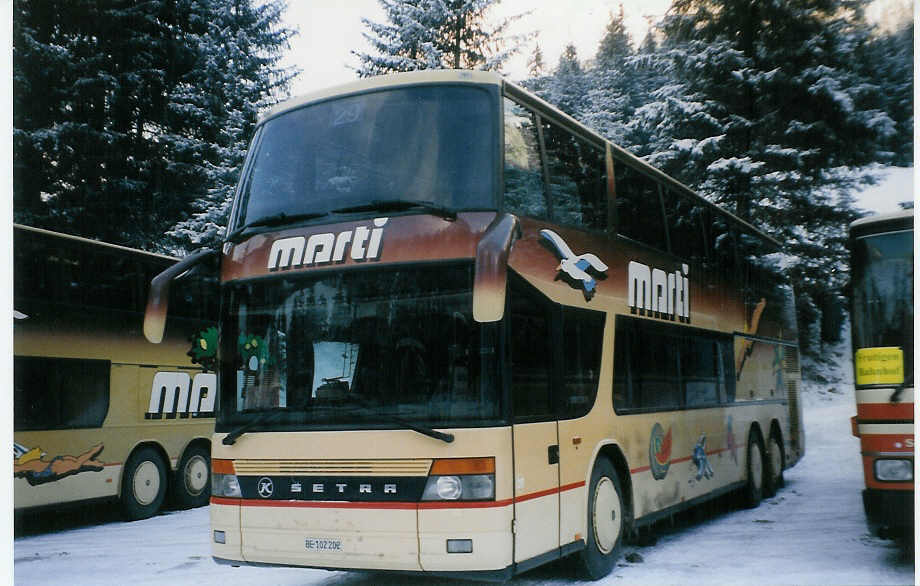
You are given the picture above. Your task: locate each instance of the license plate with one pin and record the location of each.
(324, 545)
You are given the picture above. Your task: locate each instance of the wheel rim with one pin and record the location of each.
(756, 466)
(146, 483)
(607, 515)
(196, 475)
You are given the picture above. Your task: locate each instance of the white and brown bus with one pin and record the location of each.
(463, 334)
(98, 411)
(882, 310)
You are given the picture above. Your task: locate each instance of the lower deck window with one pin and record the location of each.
(59, 393)
(660, 367)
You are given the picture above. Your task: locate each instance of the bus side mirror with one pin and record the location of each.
(158, 296)
(491, 280)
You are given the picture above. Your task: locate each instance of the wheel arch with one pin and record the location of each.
(754, 431)
(612, 452)
(197, 441)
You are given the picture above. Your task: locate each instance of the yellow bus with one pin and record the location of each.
(882, 310)
(462, 334)
(99, 412)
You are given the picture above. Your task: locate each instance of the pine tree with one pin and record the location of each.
(85, 81)
(611, 83)
(237, 48)
(567, 88)
(615, 46)
(432, 34)
(535, 66)
(889, 60)
(769, 118)
(126, 113)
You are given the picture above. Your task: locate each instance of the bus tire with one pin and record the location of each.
(773, 471)
(607, 522)
(193, 478)
(753, 489)
(143, 485)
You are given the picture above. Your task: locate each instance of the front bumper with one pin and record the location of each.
(889, 509)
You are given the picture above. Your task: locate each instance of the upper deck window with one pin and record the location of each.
(525, 190)
(424, 143)
(578, 179)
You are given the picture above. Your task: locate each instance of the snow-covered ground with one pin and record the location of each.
(812, 532)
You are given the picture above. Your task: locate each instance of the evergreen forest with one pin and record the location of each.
(131, 119)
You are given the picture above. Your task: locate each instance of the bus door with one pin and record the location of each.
(536, 489)
(535, 430)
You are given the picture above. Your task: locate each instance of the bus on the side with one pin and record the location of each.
(464, 335)
(882, 312)
(98, 411)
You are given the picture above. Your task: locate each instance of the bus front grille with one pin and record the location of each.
(333, 467)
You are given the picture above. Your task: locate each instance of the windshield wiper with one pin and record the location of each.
(231, 437)
(433, 433)
(398, 205)
(273, 220)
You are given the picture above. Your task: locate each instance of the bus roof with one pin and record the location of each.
(93, 242)
(895, 221)
(490, 78)
(381, 81)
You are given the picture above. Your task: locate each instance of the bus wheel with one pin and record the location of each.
(773, 475)
(193, 478)
(143, 485)
(606, 522)
(753, 490)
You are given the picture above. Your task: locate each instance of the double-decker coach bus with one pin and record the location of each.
(99, 412)
(463, 334)
(882, 310)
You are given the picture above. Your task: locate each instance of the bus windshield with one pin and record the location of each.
(431, 144)
(883, 276)
(359, 349)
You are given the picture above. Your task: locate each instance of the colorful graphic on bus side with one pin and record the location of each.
(31, 465)
(659, 451)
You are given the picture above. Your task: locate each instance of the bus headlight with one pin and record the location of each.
(463, 479)
(894, 470)
(449, 488)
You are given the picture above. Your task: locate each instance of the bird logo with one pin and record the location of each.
(576, 267)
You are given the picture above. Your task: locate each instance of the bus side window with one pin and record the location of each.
(638, 208)
(726, 371)
(582, 341)
(525, 193)
(657, 362)
(577, 177)
(531, 355)
(685, 232)
(699, 364)
(659, 367)
(59, 393)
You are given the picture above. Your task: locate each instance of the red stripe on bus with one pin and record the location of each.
(677, 461)
(393, 505)
(888, 443)
(882, 411)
